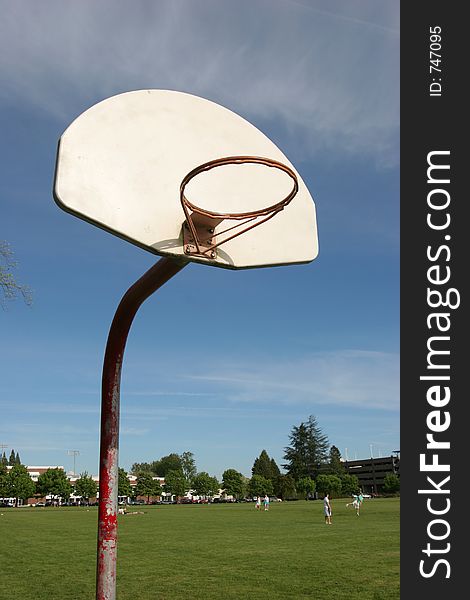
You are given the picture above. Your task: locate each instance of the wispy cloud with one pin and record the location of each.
(347, 378)
(134, 431)
(54, 407)
(345, 17)
(236, 387)
(269, 61)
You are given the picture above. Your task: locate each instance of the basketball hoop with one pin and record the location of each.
(139, 145)
(199, 227)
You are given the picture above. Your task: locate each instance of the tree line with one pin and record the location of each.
(311, 466)
(17, 483)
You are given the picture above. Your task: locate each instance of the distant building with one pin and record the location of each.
(371, 472)
(34, 472)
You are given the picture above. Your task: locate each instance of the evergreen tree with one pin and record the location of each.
(335, 465)
(308, 450)
(12, 459)
(265, 466)
(275, 470)
(17, 459)
(4, 459)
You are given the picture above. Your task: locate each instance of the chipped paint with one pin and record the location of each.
(154, 278)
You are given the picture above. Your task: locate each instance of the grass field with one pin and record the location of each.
(208, 552)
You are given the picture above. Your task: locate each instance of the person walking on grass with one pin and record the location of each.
(258, 503)
(266, 502)
(327, 509)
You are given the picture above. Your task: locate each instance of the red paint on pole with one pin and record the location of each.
(154, 278)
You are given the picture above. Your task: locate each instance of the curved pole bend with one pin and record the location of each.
(153, 279)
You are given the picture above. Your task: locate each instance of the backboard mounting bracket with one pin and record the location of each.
(204, 242)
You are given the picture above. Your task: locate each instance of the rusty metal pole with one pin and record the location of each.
(154, 278)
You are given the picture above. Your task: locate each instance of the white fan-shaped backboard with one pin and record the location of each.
(120, 165)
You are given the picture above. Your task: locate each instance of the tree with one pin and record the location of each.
(176, 483)
(308, 450)
(349, 484)
(4, 484)
(54, 482)
(17, 459)
(274, 470)
(146, 485)
(85, 486)
(138, 468)
(205, 485)
(306, 485)
(265, 466)
(19, 483)
(260, 486)
(232, 482)
(124, 485)
(9, 286)
(335, 465)
(172, 462)
(4, 459)
(12, 459)
(391, 483)
(188, 466)
(329, 484)
(285, 487)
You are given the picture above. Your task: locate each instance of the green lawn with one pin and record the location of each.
(208, 552)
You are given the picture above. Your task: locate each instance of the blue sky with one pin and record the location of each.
(321, 79)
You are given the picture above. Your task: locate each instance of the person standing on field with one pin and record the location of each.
(327, 509)
(266, 502)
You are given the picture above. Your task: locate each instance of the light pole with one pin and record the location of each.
(73, 453)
